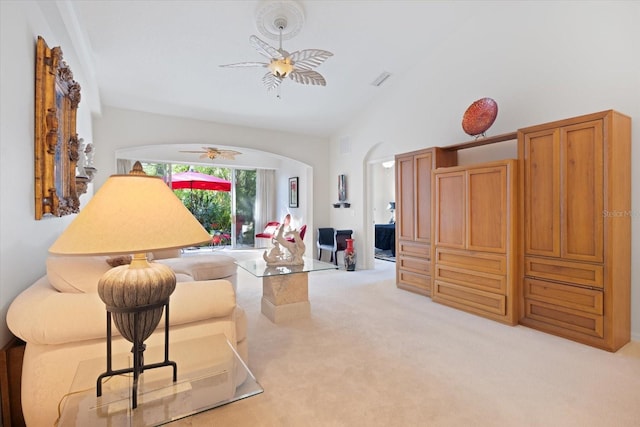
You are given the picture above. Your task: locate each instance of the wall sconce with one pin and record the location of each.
(85, 169)
(342, 192)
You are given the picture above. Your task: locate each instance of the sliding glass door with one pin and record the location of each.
(226, 214)
(244, 201)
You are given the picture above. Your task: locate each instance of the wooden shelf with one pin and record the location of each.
(482, 141)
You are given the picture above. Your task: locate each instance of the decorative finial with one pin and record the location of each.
(137, 169)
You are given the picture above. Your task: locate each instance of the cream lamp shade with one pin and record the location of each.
(130, 214)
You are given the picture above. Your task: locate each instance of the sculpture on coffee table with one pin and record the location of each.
(285, 251)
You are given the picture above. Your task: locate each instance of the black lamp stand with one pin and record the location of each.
(138, 349)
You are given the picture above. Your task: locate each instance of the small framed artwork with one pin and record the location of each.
(293, 192)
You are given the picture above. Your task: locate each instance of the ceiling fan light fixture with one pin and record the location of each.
(281, 67)
(298, 66)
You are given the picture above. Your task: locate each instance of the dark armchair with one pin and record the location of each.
(333, 241)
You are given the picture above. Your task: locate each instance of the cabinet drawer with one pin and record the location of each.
(472, 279)
(495, 264)
(421, 250)
(469, 299)
(417, 265)
(573, 297)
(565, 271)
(421, 281)
(559, 318)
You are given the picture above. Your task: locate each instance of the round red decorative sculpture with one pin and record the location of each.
(479, 117)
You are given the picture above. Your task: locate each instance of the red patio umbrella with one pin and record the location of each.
(198, 181)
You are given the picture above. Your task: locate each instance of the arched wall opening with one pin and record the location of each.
(249, 158)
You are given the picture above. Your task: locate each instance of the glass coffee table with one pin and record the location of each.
(285, 289)
(206, 380)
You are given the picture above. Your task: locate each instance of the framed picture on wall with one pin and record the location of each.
(56, 143)
(293, 192)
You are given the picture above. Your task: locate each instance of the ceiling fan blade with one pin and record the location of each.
(307, 77)
(271, 81)
(245, 64)
(309, 58)
(265, 49)
(228, 154)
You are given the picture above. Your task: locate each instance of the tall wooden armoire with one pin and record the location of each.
(474, 234)
(413, 216)
(576, 236)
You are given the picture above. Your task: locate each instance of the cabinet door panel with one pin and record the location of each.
(450, 209)
(417, 265)
(542, 193)
(413, 249)
(469, 299)
(472, 279)
(557, 318)
(404, 196)
(565, 271)
(574, 297)
(422, 185)
(414, 280)
(489, 263)
(582, 185)
(487, 211)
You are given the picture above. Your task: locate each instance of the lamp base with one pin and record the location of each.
(138, 351)
(136, 294)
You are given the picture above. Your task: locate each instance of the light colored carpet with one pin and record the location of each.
(385, 255)
(374, 355)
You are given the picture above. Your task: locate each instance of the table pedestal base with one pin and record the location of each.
(286, 297)
(283, 313)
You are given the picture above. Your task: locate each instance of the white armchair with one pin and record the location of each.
(63, 328)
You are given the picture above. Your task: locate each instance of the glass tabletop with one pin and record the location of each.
(258, 267)
(206, 380)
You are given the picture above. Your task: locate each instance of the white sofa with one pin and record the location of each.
(63, 322)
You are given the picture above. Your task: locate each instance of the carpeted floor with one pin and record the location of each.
(384, 255)
(373, 355)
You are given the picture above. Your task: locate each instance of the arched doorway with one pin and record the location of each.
(276, 208)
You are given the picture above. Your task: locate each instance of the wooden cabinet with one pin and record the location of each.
(413, 216)
(576, 201)
(474, 220)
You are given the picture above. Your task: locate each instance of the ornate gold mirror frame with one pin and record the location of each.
(56, 141)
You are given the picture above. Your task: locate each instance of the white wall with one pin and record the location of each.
(118, 129)
(540, 61)
(303, 214)
(23, 240)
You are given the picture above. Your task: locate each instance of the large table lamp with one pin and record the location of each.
(133, 214)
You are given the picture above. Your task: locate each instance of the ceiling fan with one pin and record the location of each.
(298, 66)
(215, 153)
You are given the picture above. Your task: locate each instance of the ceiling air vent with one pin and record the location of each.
(381, 79)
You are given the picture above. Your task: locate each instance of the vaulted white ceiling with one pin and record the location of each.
(164, 56)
